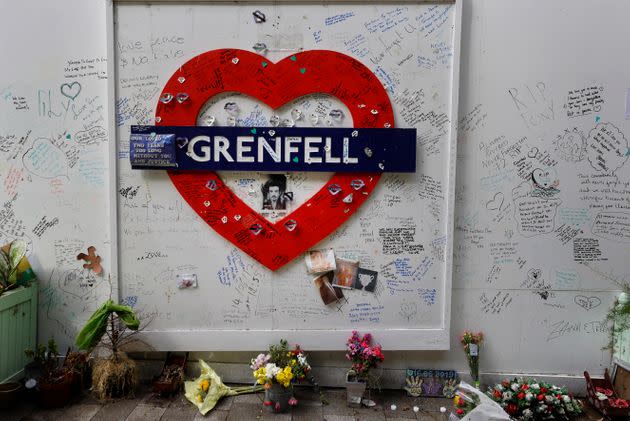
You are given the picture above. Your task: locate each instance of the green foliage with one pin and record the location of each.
(619, 316)
(9, 260)
(96, 327)
(280, 354)
(47, 357)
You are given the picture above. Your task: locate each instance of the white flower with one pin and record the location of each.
(499, 387)
(302, 360)
(566, 398)
(507, 395)
(600, 396)
(515, 387)
(529, 396)
(548, 398)
(527, 413)
(535, 386)
(271, 370)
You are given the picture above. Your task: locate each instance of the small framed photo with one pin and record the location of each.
(366, 280)
(318, 261)
(346, 273)
(329, 293)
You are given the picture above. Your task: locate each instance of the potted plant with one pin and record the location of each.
(364, 356)
(77, 365)
(277, 371)
(171, 379)
(111, 326)
(54, 382)
(18, 309)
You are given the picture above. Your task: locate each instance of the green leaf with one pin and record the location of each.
(96, 327)
(17, 251)
(4, 262)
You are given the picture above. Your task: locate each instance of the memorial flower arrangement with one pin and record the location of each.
(277, 371)
(464, 403)
(208, 389)
(528, 399)
(363, 354)
(607, 394)
(280, 365)
(472, 342)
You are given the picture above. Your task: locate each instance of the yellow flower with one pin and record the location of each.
(199, 398)
(284, 376)
(261, 375)
(456, 400)
(205, 384)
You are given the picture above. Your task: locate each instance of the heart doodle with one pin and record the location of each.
(275, 84)
(71, 90)
(587, 303)
(496, 203)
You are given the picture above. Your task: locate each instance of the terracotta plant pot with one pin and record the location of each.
(9, 394)
(55, 395)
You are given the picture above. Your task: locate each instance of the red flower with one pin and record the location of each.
(267, 403)
(541, 397)
(505, 383)
(459, 411)
(543, 390)
(512, 409)
(521, 395)
(497, 393)
(525, 386)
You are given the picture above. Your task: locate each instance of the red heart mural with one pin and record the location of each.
(308, 72)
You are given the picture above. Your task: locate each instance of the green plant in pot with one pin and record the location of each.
(53, 384)
(111, 326)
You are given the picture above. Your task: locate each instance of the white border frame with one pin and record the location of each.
(233, 340)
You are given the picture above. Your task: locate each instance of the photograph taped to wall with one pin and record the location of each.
(366, 280)
(329, 293)
(276, 200)
(346, 273)
(318, 261)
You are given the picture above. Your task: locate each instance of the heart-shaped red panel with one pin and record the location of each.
(308, 72)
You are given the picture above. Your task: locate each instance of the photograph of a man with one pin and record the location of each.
(274, 191)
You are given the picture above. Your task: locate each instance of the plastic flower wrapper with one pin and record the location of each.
(464, 402)
(206, 391)
(485, 409)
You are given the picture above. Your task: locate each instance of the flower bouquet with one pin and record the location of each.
(531, 400)
(206, 391)
(464, 403)
(472, 341)
(364, 356)
(277, 371)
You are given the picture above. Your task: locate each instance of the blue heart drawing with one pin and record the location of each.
(71, 90)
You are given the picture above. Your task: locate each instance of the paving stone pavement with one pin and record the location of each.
(145, 406)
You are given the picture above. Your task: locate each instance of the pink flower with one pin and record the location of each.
(293, 401)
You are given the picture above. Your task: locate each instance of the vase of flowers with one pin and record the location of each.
(472, 342)
(277, 371)
(364, 356)
(528, 399)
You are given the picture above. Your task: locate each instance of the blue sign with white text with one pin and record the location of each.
(273, 149)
